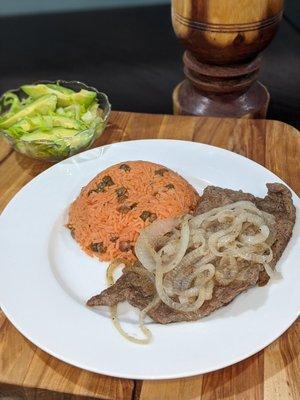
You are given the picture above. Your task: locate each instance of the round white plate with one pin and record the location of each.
(45, 279)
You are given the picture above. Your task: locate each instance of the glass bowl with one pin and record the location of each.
(50, 150)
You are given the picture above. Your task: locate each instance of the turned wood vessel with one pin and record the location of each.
(223, 40)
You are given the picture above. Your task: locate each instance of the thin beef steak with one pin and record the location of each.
(137, 288)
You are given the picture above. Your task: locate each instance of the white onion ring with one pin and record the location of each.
(226, 264)
(114, 309)
(143, 249)
(200, 251)
(244, 205)
(257, 238)
(274, 275)
(181, 248)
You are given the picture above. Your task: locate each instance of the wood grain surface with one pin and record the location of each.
(273, 374)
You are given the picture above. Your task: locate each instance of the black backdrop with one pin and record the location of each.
(132, 54)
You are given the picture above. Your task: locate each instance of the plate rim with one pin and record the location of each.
(151, 377)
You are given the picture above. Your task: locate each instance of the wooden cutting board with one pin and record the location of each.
(272, 374)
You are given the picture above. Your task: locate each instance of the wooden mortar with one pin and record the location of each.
(223, 39)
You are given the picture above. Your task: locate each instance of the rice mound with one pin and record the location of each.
(118, 203)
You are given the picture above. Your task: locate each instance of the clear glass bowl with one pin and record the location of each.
(57, 150)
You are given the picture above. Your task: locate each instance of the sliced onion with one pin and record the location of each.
(174, 304)
(223, 216)
(119, 263)
(244, 205)
(257, 238)
(182, 281)
(143, 247)
(248, 253)
(269, 218)
(209, 288)
(202, 279)
(144, 329)
(227, 264)
(181, 248)
(273, 274)
(169, 249)
(185, 279)
(193, 256)
(183, 299)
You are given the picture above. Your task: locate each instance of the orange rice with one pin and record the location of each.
(118, 203)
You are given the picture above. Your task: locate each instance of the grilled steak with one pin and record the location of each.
(137, 288)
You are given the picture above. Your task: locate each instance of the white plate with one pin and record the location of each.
(45, 278)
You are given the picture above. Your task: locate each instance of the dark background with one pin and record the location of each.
(133, 55)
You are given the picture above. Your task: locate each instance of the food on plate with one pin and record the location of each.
(118, 203)
(190, 266)
(47, 120)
